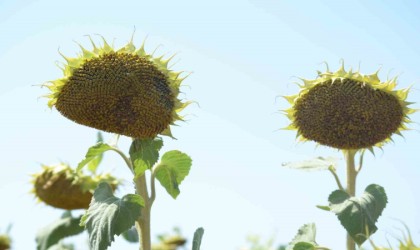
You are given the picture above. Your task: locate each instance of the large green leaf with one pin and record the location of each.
(108, 216)
(198, 236)
(171, 171)
(319, 163)
(56, 231)
(358, 215)
(304, 239)
(93, 153)
(144, 153)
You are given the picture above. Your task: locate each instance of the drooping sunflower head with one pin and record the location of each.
(124, 91)
(5, 242)
(348, 110)
(62, 187)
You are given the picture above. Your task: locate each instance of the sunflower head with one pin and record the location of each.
(5, 242)
(124, 91)
(62, 187)
(348, 110)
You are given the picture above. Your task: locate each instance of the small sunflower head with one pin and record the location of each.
(5, 242)
(124, 91)
(175, 241)
(348, 110)
(62, 187)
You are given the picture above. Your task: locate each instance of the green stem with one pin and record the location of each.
(143, 222)
(337, 180)
(125, 158)
(351, 186)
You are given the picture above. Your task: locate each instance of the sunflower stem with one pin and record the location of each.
(351, 186)
(143, 222)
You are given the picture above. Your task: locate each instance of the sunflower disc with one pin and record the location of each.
(125, 91)
(347, 110)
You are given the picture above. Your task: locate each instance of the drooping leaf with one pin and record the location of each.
(198, 236)
(93, 153)
(171, 171)
(319, 163)
(304, 238)
(56, 231)
(131, 235)
(325, 208)
(108, 216)
(94, 163)
(144, 153)
(358, 215)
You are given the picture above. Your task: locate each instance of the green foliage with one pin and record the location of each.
(94, 163)
(108, 216)
(359, 215)
(131, 235)
(318, 163)
(94, 154)
(304, 246)
(52, 234)
(304, 239)
(198, 236)
(144, 153)
(171, 171)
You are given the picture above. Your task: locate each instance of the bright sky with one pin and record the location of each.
(244, 54)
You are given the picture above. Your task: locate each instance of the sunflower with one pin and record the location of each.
(348, 110)
(124, 91)
(5, 242)
(62, 187)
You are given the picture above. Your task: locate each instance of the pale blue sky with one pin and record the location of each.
(243, 54)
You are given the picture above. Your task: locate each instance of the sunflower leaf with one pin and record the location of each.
(198, 236)
(171, 171)
(304, 246)
(318, 163)
(94, 163)
(358, 215)
(64, 227)
(144, 153)
(131, 235)
(93, 153)
(304, 239)
(108, 216)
